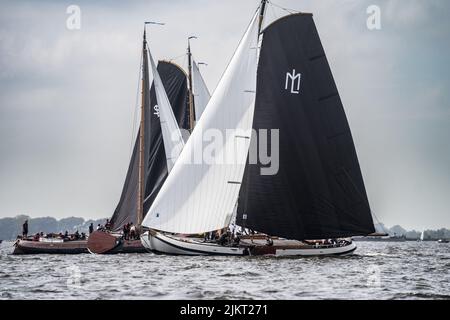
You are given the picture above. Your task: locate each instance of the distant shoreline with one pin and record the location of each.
(11, 227)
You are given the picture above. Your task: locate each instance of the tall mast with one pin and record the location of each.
(261, 14)
(191, 92)
(140, 204)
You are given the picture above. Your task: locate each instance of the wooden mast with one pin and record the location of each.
(262, 11)
(261, 15)
(191, 92)
(140, 204)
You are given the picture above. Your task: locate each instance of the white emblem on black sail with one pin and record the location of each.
(294, 79)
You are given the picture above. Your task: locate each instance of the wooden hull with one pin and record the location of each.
(159, 243)
(101, 242)
(37, 247)
(171, 245)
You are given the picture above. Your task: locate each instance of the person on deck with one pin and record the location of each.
(224, 239)
(25, 229)
(107, 225)
(91, 228)
(125, 231)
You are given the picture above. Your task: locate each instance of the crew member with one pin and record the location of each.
(25, 229)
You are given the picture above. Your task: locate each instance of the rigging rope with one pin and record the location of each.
(177, 57)
(275, 16)
(133, 132)
(283, 8)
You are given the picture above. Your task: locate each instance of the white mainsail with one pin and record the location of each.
(200, 197)
(172, 137)
(201, 92)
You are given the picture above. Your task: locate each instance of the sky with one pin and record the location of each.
(68, 96)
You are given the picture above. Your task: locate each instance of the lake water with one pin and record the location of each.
(403, 270)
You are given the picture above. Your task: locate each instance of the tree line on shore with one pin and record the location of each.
(11, 227)
(398, 231)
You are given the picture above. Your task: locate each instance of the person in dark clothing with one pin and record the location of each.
(25, 229)
(91, 228)
(126, 231)
(224, 239)
(107, 225)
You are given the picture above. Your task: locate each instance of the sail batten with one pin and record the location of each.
(196, 197)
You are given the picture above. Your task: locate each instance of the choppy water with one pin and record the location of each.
(407, 270)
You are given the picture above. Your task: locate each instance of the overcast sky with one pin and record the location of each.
(67, 97)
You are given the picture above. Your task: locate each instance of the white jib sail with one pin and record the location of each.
(201, 92)
(172, 137)
(199, 196)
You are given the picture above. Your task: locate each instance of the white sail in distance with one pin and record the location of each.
(200, 91)
(172, 137)
(198, 198)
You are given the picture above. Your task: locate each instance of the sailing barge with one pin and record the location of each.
(50, 246)
(149, 165)
(278, 81)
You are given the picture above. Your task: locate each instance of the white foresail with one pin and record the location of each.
(199, 196)
(172, 137)
(201, 92)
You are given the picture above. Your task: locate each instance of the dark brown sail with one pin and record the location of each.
(175, 83)
(318, 191)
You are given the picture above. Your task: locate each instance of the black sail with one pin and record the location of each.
(318, 191)
(175, 83)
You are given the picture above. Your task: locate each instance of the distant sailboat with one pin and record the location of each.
(150, 163)
(318, 192)
(422, 236)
